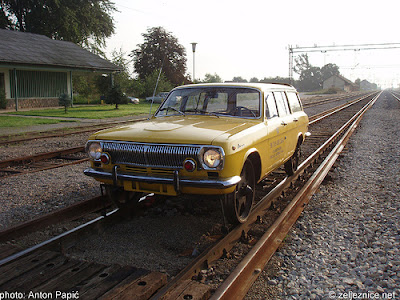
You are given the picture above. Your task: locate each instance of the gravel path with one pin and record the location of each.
(347, 240)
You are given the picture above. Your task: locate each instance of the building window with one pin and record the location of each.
(38, 84)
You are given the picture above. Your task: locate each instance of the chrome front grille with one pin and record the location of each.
(150, 155)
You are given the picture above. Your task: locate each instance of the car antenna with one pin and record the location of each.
(154, 92)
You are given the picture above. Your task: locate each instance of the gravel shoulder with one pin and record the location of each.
(347, 240)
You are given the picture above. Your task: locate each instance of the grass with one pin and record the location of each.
(8, 121)
(93, 111)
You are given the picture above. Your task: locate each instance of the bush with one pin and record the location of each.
(116, 96)
(3, 101)
(64, 100)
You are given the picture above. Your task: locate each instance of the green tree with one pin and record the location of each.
(238, 79)
(254, 80)
(310, 76)
(160, 50)
(3, 100)
(4, 23)
(149, 83)
(64, 100)
(209, 78)
(123, 78)
(329, 70)
(116, 96)
(276, 79)
(84, 22)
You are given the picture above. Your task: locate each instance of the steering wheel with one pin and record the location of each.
(239, 110)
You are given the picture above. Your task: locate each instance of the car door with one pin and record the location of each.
(276, 139)
(296, 120)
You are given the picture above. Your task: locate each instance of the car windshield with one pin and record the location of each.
(218, 101)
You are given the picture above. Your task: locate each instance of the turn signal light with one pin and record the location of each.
(105, 159)
(189, 165)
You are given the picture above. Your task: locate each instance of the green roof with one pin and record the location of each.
(35, 50)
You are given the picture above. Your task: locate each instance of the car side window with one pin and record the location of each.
(270, 107)
(281, 103)
(294, 102)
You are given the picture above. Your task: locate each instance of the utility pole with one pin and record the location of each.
(194, 50)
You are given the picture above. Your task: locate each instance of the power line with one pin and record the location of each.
(329, 48)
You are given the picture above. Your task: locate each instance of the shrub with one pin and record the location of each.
(64, 100)
(3, 100)
(116, 96)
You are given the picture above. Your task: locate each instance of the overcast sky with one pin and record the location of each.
(250, 38)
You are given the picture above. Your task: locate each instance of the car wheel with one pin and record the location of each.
(122, 198)
(292, 164)
(237, 205)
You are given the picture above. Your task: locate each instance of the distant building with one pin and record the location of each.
(365, 85)
(339, 82)
(35, 70)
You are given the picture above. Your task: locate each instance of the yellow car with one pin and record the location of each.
(209, 139)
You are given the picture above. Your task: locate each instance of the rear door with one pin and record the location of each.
(297, 120)
(276, 139)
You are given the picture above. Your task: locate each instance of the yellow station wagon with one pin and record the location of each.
(218, 138)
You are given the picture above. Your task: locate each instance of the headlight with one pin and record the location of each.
(93, 149)
(212, 158)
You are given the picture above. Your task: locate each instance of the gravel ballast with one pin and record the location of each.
(346, 244)
(347, 240)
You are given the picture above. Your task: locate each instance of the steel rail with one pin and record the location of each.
(212, 254)
(397, 98)
(328, 100)
(64, 237)
(38, 157)
(58, 134)
(324, 114)
(224, 245)
(69, 213)
(241, 279)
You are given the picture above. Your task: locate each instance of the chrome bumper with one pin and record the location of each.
(176, 181)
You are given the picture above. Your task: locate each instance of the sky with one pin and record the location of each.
(251, 38)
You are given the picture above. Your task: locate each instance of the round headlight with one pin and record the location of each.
(94, 150)
(212, 158)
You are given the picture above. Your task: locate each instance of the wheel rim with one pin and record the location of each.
(244, 194)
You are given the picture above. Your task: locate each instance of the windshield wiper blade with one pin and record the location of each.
(173, 108)
(202, 111)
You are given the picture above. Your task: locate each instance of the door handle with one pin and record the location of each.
(295, 120)
(283, 123)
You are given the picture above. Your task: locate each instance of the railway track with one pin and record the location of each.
(43, 161)
(286, 194)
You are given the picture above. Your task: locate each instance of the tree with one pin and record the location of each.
(84, 22)
(276, 79)
(329, 70)
(208, 78)
(254, 80)
(239, 79)
(116, 96)
(123, 78)
(160, 50)
(64, 100)
(149, 83)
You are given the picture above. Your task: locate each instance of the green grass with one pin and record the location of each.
(93, 112)
(8, 121)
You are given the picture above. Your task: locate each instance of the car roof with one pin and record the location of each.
(260, 86)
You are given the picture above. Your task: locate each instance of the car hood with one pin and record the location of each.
(178, 130)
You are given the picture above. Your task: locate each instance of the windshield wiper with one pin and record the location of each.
(203, 112)
(173, 108)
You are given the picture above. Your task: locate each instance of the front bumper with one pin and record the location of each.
(176, 181)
